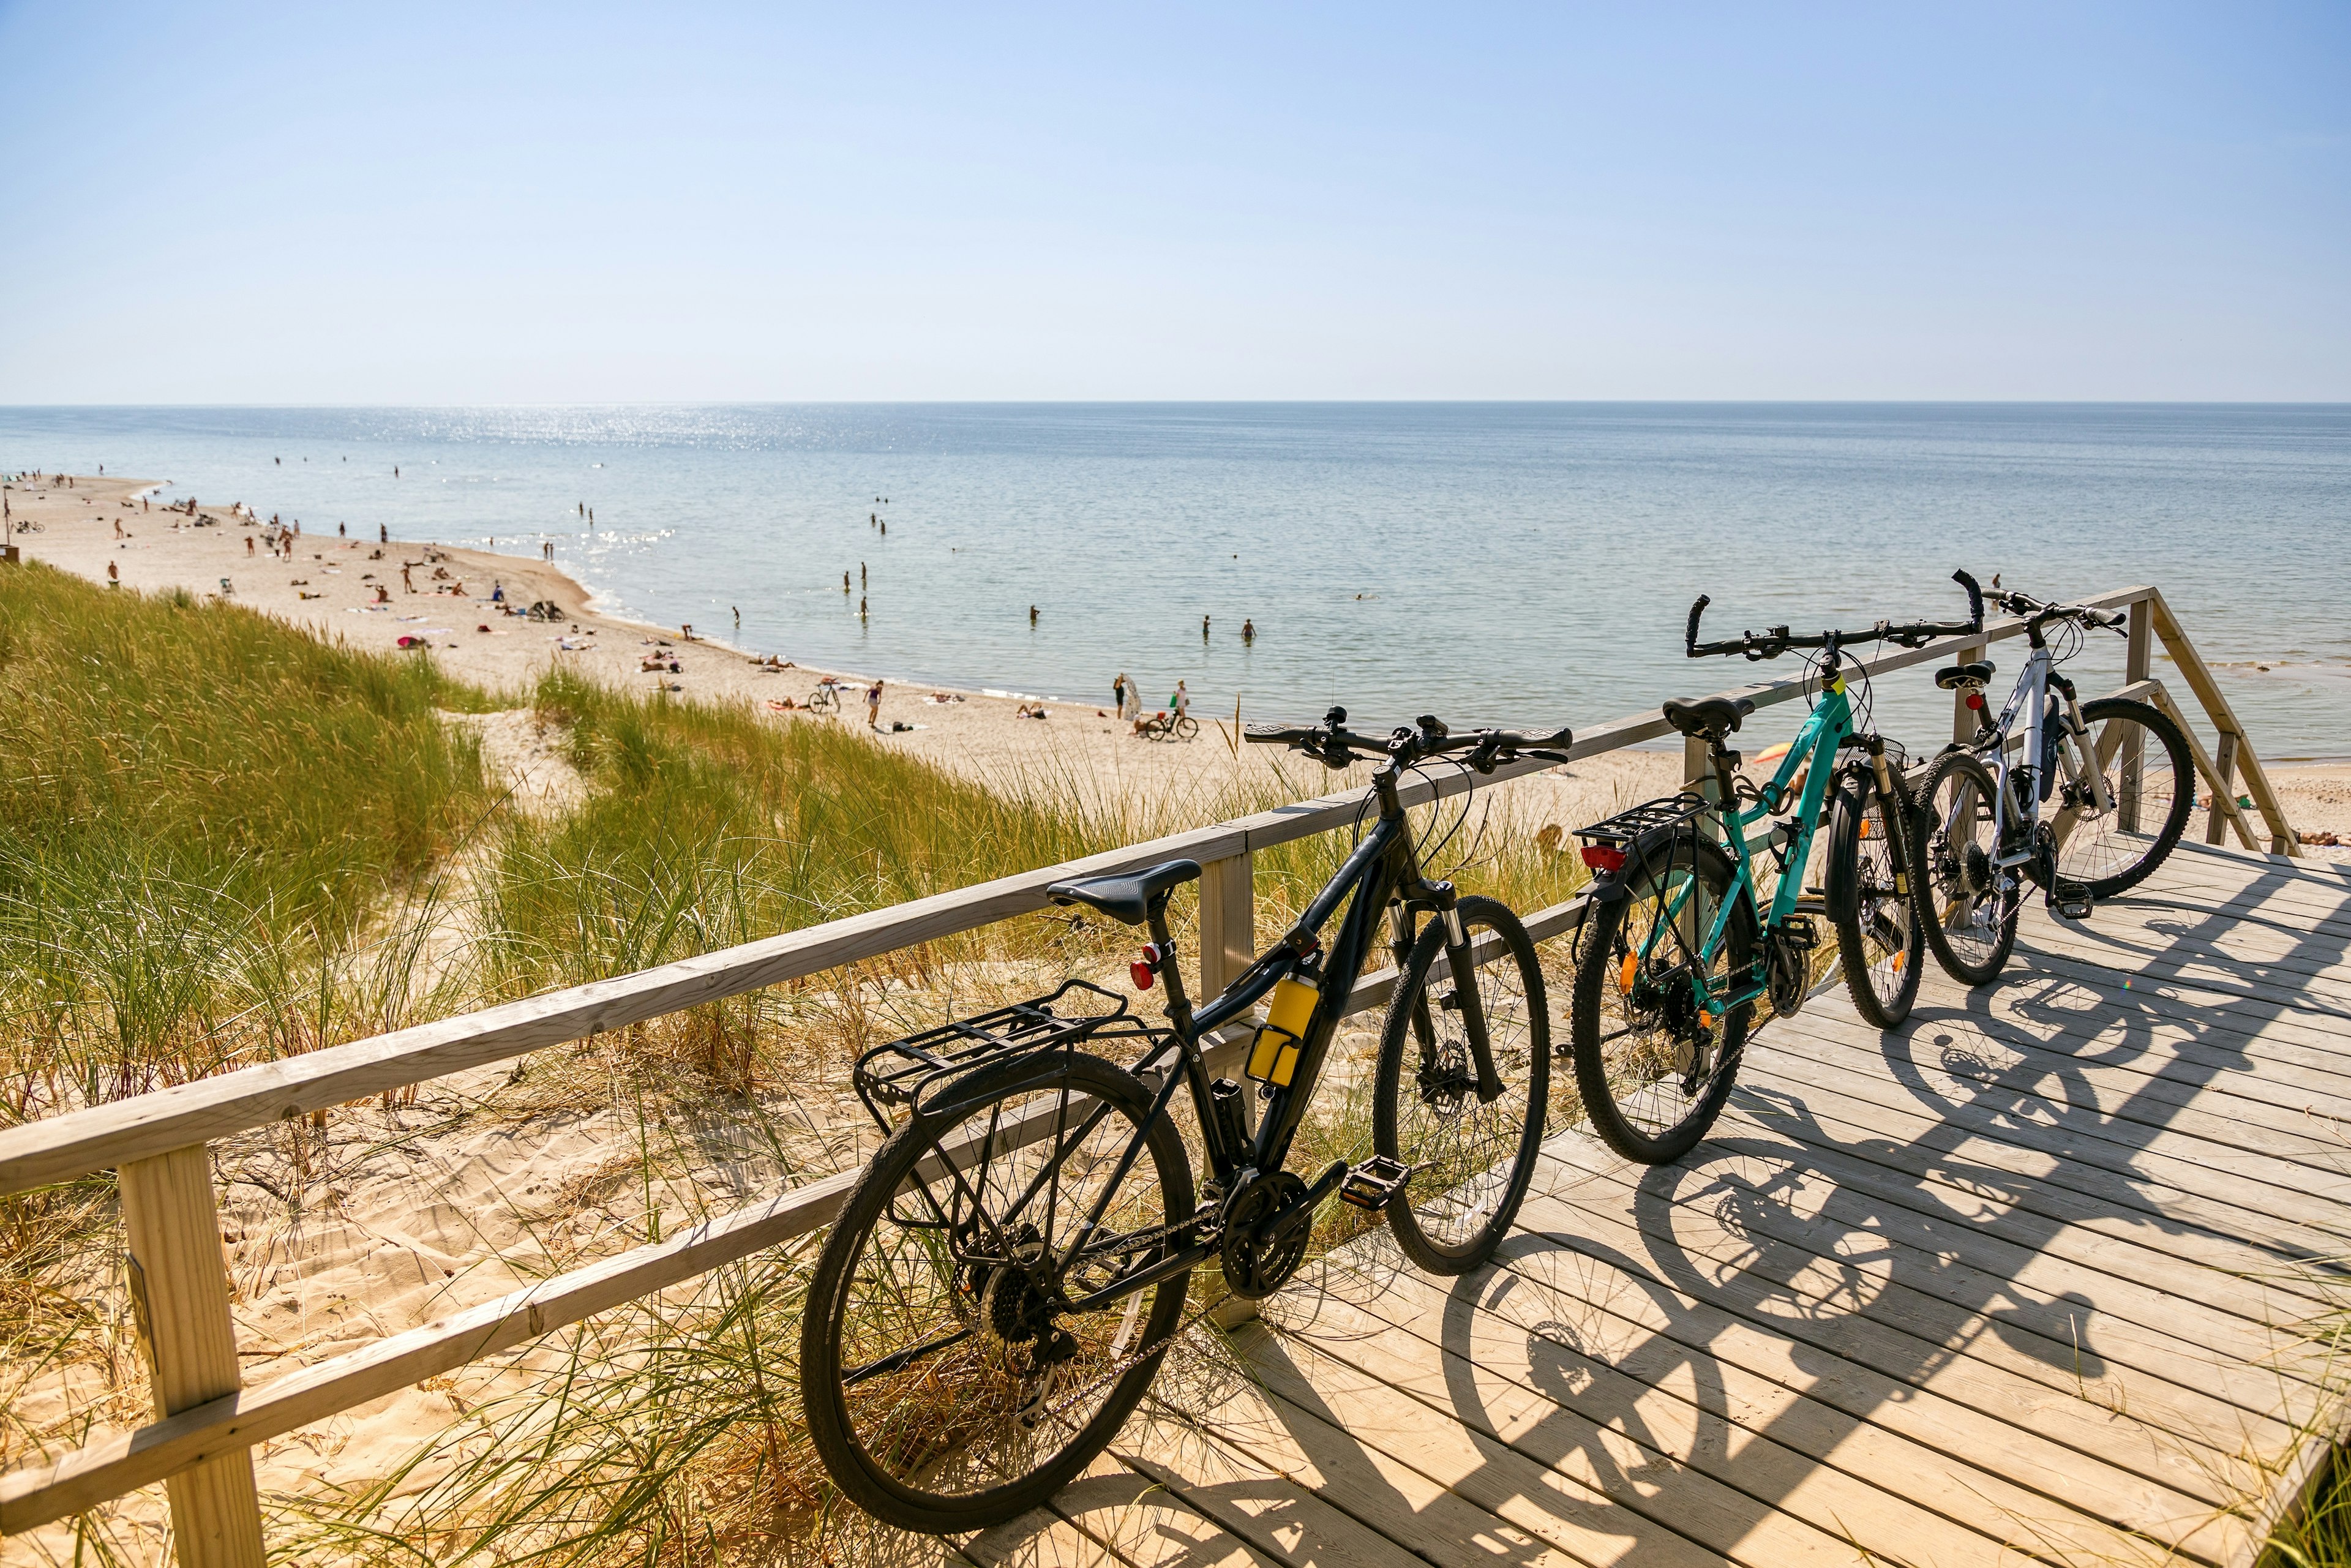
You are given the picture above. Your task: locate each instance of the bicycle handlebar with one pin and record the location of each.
(1333, 744)
(1778, 640)
(2042, 611)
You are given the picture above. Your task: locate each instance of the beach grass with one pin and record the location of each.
(224, 840)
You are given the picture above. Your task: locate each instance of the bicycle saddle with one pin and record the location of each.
(1952, 676)
(1708, 718)
(1128, 896)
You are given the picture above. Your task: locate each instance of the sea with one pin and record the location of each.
(1526, 564)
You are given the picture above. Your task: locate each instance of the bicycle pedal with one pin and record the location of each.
(1375, 1183)
(2069, 900)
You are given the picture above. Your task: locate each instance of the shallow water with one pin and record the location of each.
(1521, 563)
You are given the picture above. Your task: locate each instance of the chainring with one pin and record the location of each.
(1255, 1267)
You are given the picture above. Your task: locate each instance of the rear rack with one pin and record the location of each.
(907, 1072)
(1617, 832)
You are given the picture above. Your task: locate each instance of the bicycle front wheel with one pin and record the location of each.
(1653, 1063)
(1187, 728)
(1471, 1160)
(953, 1370)
(2150, 783)
(1878, 942)
(1967, 905)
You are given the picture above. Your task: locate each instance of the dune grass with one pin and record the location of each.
(222, 841)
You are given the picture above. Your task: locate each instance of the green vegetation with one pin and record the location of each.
(223, 841)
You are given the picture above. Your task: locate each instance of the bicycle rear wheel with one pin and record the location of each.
(1967, 905)
(1879, 946)
(949, 1378)
(1653, 1066)
(2150, 780)
(1471, 1162)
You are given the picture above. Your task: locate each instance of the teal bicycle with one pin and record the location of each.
(1679, 946)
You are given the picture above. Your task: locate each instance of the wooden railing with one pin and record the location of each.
(206, 1425)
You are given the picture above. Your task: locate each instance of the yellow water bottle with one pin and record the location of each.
(1273, 1057)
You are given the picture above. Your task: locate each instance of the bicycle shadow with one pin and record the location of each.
(1719, 1358)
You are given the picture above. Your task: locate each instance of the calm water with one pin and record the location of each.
(1515, 562)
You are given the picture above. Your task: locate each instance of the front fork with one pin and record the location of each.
(1458, 962)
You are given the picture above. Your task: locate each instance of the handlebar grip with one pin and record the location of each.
(1273, 734)
(1975, 599)
(1522, 738)
(1689, 634)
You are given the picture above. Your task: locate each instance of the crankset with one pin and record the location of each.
(1257, 1260)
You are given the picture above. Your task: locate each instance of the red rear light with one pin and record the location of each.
(1975, 701)
(1142, 973)
(1603, 857)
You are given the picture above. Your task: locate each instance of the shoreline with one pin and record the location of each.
(1081, 751)
(978, 731)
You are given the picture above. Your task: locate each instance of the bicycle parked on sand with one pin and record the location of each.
(2115, 772)
(1680, 947)
(826, 698)
(1006, 1275)
(1169, 724)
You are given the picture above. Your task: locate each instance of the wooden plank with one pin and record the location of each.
(2224, 776)
(1227, 921)
(179, 1292)
(1142, 1524)
(1875, 1461)
(1326, 1405)
(1531, 1360)
(2204, 767)
(2191, 666)
(1940, 1154)
(1962, 1314)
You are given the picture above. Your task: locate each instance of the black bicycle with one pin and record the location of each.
(1004, 1277)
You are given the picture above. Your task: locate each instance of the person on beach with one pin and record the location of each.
(114, 575)
(383, 534)
(1032, 615)
(1118, 694)
(248, 544)
(1248, 633)
(341, 532)
(861, 607)
(1180, 702)
(1204, 628)
(118, 528)
(873, 705)
(844, 584)
(405, 580)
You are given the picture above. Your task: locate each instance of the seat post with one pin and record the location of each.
(1180, 1005)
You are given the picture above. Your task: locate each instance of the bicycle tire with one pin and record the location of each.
(913, 1413)
(1864, 905)
(2167, 787)
(1431, 1218)
(1602, 1075)
(1951, 870)
(1187, 728)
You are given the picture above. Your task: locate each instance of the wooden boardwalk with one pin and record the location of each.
(2023, 1281)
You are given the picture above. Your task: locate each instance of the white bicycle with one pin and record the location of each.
(2113, 775)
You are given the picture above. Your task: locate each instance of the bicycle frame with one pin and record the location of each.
(2030, 696)
(1824, 733)
(1382, 874)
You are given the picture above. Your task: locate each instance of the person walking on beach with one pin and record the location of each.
(1118, 694)
(383, 534)
(873, 705)
(405, 580)
(1180, 704)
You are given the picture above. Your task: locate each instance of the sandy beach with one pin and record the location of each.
(470, 608)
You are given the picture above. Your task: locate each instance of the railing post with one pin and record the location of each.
(2225, 789)
(1228, 922)
(2138, 658)
(179, 1291)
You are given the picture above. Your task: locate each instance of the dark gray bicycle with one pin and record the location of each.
(1006, 1274)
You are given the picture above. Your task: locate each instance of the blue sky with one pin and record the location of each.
(493, 203)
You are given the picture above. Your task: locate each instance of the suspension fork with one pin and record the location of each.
(1415, 890)
(1898, 820)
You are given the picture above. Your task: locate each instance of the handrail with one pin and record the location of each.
(148, 1134)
